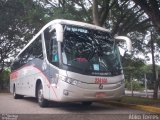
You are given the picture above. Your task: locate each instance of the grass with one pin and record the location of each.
(144, 104)
(141, 101)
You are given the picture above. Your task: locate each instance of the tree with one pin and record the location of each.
(122, 18)
(152, 9)
(101, 13)
(4, 79)
(134, 85)
(19, 20)
(132, 66)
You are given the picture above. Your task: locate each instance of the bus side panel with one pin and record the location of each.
(51, 77)
(25, 78)
(56, 91)
(14, 81)
(41, 71)
(28, 75)
(42, 76)
(11, 85)
(38, 74)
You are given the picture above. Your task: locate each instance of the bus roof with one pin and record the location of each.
(63, 21)
(71, 22)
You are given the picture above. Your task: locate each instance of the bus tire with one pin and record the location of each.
(41, 101)
(16, 96)
(87, 103)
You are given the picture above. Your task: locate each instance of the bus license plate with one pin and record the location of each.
(100, 95)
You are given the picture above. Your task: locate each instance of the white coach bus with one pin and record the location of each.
(69, 61)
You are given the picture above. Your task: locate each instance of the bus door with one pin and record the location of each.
(51, 46)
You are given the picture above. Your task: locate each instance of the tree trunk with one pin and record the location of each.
(100, 14)
(2, 66)
(1, 85)
(95, 13)
(154, 70)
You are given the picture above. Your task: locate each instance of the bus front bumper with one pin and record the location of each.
(68, 93)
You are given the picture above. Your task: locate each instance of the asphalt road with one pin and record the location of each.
(27, 108)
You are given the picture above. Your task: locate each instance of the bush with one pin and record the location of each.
(136, 85)
(4, 79)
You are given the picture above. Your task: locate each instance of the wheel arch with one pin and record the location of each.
(38, 82)
(14, 87)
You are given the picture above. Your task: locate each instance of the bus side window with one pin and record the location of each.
(34, 50)
(15, 65)
(25, 56)
(37, 48)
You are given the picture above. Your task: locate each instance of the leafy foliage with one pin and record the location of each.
(19, 20)
(134, 85)
(4, 79)
(151, 8)
(132, 68)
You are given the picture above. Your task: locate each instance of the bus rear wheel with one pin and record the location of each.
(41, 101)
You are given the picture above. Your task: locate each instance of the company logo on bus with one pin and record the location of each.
(100, 86)
(101, 80)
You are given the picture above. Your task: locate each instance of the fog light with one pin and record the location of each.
(65, 92)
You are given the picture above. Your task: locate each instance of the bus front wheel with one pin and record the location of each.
(41, 101)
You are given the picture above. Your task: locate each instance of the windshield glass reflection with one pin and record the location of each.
(90, 51)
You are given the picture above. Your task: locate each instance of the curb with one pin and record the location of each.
(134, 106)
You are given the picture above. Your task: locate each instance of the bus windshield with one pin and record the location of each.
(90, 51)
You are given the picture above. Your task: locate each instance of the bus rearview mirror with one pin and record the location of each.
(121, 51)
(127, 40)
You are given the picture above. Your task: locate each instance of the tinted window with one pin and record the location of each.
(15, 65)
(37, 51)
(34, 50)
(26, 56)
(90, 51)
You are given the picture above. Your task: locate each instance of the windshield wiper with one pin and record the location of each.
(103, 64)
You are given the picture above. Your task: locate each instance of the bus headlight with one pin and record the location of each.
(72, 81)
(69, 80)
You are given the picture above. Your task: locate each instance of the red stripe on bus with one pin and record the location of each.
(16, 71)
(14, 74)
